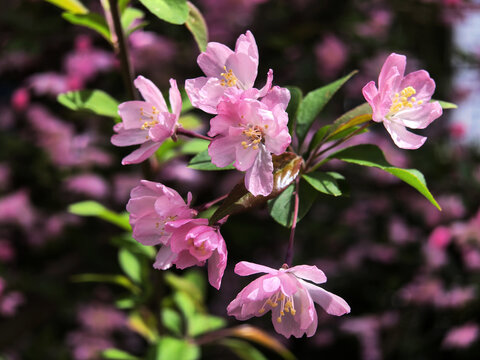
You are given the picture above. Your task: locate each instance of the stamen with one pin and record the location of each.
(230, 78)
(404, 99)
(254, 136)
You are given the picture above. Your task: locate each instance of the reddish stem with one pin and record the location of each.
(289, 256)
(192, 134)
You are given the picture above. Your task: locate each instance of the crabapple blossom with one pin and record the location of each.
(151, 206)
(402, 101)
(247, 131)
(288, 294)
(226, 70)
(192, 243)
(147, 122)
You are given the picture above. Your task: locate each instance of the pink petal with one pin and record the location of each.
(245, 268)
(244, 68)
(331, 303)
(151, 93)
(403, 138)
(143, 152)
(165, 258)
(222, 151)
(130, 112)
(369, 92)
(245, 157)
(185, 260)
(204, 93)
(422, 83)
(394, 61)
(307, 272)
(418, 117)
(259, 178)
(165, 129)
(129, 137)
(175, 98)
(246, 44)
(213, 59)
(149, 231)
(277, 96)
(217, 264)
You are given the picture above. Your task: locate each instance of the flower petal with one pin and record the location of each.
(394, 66)
(129, 137)
(175, 98)
(403, 138)
(150, 93)
(245, 268)
(421, 81)
(308, 272)
(130, 112)
(165, 258)
(217, 264)
(213, 59)
(331, 303)
(418, 117)
(259, 178)
(143, 152)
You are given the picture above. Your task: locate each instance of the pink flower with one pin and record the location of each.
(147, 122)
(461, 336)
(247, 131)
(151, 206)
(192, 243)
(331, 55)
(88, 184)
(226, 69)
(290, 297)
(402, 101)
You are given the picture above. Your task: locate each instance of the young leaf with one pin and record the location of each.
(144, 323)
(313, 104)
(126, 241)
(129, 16)
(92, 21)
(202, 161)
(351, 118)
(199, 324)
(93, 208)
(182, 284)
(197, 26)
(172, 11)
(95, 101)
(115, 354)
(72, 6)
(130, 265)
(194, 146)
(243, 349)
(108, 278)
(169, 348)
(296, 97)
(372, 156)
(446, 104)
(172, 320)
(323, 182)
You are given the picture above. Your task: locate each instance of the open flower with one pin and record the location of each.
(226, 69)
(247, 132)
(147, 122)
(192, 243)
(151, 206)
(402, 101)
(288, 295)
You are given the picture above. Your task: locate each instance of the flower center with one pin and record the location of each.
(151, 115)
(161, 223)
(404, 99)
(286, 304)
(230, 78)
(254, 135)
(200, 249)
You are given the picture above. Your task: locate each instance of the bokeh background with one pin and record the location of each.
(409, 272)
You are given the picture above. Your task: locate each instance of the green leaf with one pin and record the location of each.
(169, 348)
(95, 101)
(185, 304)
(172, 11)
(323, 182)
(194, 146)
(199, 324)
(108, 278)
(128, 242)
(116, 354)
(243, 349)
(296, 97)
(319, 137)
(282, 208)
(372, 156)
(185, 285)
(125, 303)
(122, 5)
(129, 16)
(202, 161)
(72, 6)
(130, 265)
(172, 321)
(346, 132)
(93, 208)
(92, 21)
(354, 117)
(144, 323)
(446, 104)
(313, 104)
(197, 26)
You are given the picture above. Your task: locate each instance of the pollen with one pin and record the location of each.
(254, 135)
(404, 99)
(229, 78)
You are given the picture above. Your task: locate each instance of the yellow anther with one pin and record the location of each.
(255, 147)
(157, 224)
(413, 99)
(230, 78)
(403, 99)
(279, 319)
(266, 126)
(293, 311)
(420, 102)
(261, 311)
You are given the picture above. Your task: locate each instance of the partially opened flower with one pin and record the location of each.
(148, 122)
(151, 206)
(402, 101)
(226, 69)
(192, 243)
(246, 132)
(288, 294)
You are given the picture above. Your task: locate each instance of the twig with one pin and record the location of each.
(289, 256)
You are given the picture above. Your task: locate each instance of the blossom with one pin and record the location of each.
(402, 101)
(247, 131)
(288, 294)
(226, 69)
(192, 243)
(461, 336)
(151, 206)
(147, 122)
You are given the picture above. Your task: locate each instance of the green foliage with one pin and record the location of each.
(108, 278)
(172, 11)
(95, 101)
(169, 348)
(202, 161)
(372, 156)
(172, 320)
(115, 354)
(93, 208)
(91, 20)
(446, 104)
(130, 264)
(296, 97)
(199, 324)
(243, 349)
(313, 104)
(128, 18)
(72, 6)
(182, 284)
(126, 241)
(324, 182)
(197, 26)
(194, 146)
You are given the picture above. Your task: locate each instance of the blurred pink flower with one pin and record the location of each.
(461, 336)
(395, 105)
(4, 176)
(147, 47)
(87, 346)
(88, 184)
(148, 122)
(288, 294)
(101, 319)
(440, 237)
(20, 99)
(192, 243)
(51, 83)
(123, 184)
(377, 25)
(16, 208)
(331, 55)
(7, 252)
(456, 297)
(9, 302)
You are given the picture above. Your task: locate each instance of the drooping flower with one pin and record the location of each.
(226, 69)
(148, 122)
(192, 243)
(151, 206)
(402, 101)
(247, 131)
(289, 295)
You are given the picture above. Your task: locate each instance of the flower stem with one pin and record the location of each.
(122, 51)
(192, 134)
(289, 256)
(208, 205)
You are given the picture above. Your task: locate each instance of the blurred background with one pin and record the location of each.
(409, 272)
